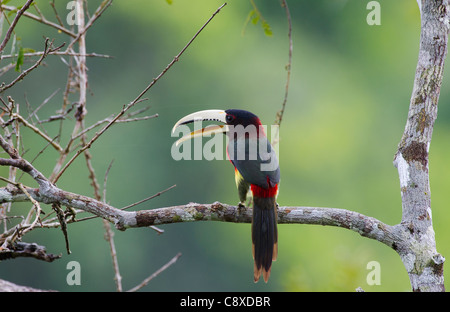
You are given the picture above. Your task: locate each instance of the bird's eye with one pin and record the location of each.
(229, 118)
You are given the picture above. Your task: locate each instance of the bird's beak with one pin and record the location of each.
(204, 115)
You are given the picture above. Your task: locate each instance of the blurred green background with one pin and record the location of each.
(348, 101)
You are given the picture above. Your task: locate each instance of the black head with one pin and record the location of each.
(241, 117)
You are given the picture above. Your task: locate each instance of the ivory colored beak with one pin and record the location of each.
(204, 115)
(207, 131)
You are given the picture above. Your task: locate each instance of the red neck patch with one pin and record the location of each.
(264, 192)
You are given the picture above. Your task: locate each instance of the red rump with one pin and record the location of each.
(264, 192)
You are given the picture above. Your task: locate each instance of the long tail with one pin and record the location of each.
(264, 235)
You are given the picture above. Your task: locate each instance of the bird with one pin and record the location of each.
(256, 169)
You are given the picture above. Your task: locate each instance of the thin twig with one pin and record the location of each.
(41, 20)
(37, 155)
(52, 4)
(8, 181)
(63, 53)
(163, 268)
(37, 211)
(106, 179)
(148, 198)
(280, 113)
(109, 237)
(34, 113)
(13, 24)
(109, 120)
(82, 69)
(36, 130)
(137, 112)
(63, 223)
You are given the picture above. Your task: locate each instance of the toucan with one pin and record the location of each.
(256, 169)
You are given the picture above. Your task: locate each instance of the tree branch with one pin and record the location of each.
(423, 263)
(155, 274)
(33, 250)
(41, 20)
(280, 113)
(6, 286)
(366, 226)
(13, 24)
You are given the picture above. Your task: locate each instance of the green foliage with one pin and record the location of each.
(254, 16)
(20, 58)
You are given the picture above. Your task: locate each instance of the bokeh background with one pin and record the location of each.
(347, 107)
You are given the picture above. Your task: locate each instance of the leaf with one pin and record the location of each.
(12, 12)
(28, 50)
(169, 1)
(20, 58)
(255, 19)
(247, 20)
(267, 29)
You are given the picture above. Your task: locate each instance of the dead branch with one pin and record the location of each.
(6, 286)
(41, 20)
(13, 24)
(280, 113)
(160, 270)
(21, 249)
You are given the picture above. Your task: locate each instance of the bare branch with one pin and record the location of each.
(163, 268)
(110, 120)
(61, 53)
(109, 236)
(13, 24)
(82, 68)
(34, 112)
(41, 20)
(148, 198)
(52, 4)
(37, 131)
(33, 250)
(6, 286)
(280, 114)
(38, 210)
(62, 221)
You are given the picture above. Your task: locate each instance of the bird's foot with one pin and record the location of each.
(240, 208)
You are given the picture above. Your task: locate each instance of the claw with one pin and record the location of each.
(240, 208)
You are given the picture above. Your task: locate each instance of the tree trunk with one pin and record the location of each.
(418, 251)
